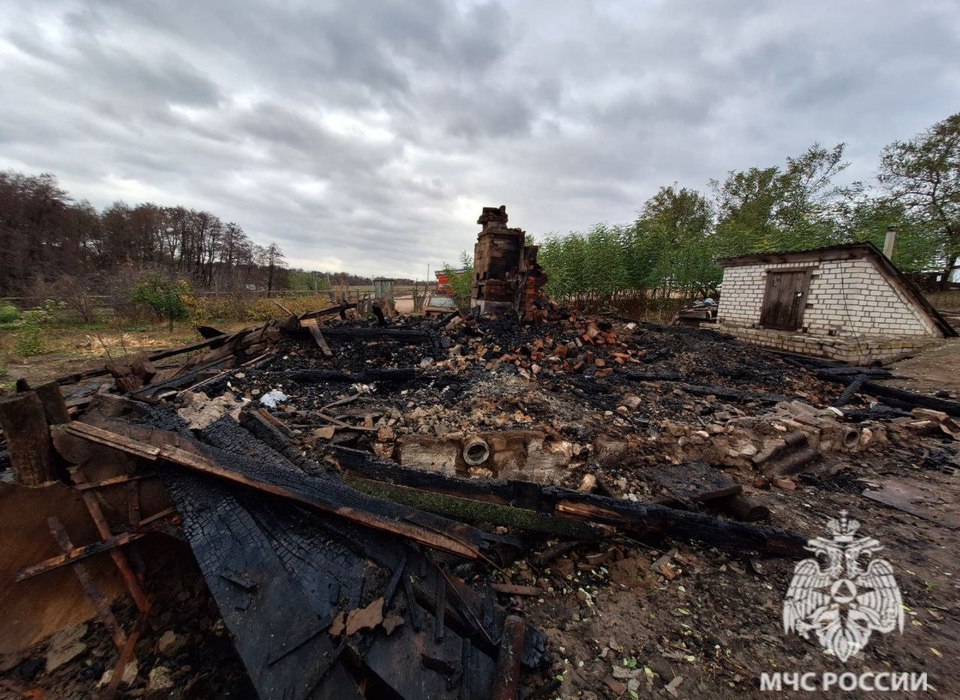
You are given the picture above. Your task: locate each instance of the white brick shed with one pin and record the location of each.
(846, 302)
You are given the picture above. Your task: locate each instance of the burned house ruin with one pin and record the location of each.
(506, 276)
(457, 506)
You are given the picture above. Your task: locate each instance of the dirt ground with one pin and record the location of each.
(73, 349)
(717, 623)
(936, 369)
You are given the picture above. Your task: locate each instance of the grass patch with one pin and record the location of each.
(9, 313)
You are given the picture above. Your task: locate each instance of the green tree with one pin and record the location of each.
(672, 245)
(868, 219)
(303, 281)
(789, 208)
(163, 295)
(923, 174)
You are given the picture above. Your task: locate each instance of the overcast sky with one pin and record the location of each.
(366, 136)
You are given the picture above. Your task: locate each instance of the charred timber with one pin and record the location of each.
(476, 512)
(566, 503)
(186, 379)
(327, 493)
(846, 396)
(899, 398)
(329, 311)
(24, 424)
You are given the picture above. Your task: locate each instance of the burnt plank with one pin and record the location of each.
(270, 610)
(329, 311)
(94, 594)
(506, 680)
(186, 379)
(852, 389)
(413, 665)
(312, 326)
(325, 492)
(77, 554)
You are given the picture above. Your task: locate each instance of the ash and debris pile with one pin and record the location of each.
(463, 507)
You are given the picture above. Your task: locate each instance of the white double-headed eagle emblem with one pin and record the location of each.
(844, 601)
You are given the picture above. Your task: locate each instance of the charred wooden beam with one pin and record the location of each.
(644, 517)
(653, 376)
(520, 494)
(329, 311)
(506, 681)
(698, 526)
(78, 554)
(212, 343)
(24, 424)
(126, 654)
(96, 596)
(113, 481)
(209, 332)
(75, 377)
(743, 508)
(849, 371)
(119, 558)
(846, 396)
(186, 379)
(476, 512)
(312, 326)
(899, 398)
(329, 495)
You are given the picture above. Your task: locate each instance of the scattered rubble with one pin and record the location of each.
(460, 507)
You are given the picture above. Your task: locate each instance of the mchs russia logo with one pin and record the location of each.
(844, 594)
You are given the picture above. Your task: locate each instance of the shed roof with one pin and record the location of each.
(850, 251)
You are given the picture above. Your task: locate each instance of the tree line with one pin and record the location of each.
(45, 236)
(54, 246)
(679, 232)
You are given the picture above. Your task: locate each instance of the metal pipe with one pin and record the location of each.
(476, 451)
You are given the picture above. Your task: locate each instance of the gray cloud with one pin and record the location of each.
(368, 135)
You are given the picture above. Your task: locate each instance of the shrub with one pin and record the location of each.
(30, 338)
(461, 282)
(247, 308)
(162, 295)
(75, 297)
(9, 313)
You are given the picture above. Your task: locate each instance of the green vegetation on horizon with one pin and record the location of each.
(673, 243)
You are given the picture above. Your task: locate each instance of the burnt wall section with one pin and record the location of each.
(506, 276)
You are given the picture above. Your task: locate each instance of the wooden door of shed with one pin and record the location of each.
(784, 299)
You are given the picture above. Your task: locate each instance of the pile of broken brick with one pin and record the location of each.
(350, 490)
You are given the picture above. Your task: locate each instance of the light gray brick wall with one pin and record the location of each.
(849, 297)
